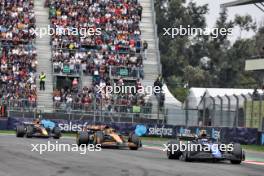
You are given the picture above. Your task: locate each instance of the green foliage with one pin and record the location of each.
(180, 93)
(181, 56)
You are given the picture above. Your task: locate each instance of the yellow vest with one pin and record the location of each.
(42, 77)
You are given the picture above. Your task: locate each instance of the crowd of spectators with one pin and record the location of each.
(112, 38)
(17, 52)
(115, 40)
(89, 99)
(17, 22)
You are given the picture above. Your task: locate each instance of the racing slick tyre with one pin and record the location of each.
(56, 133)
(82, 138)
(98, 137)
(135, 140)
(29, 131)
(171, 152)
(237, 151)
(186, 156)
(20, 131)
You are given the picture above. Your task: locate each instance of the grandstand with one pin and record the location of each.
(18, 52)
(75, 65)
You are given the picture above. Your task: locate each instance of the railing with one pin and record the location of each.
(67, 70)
(95, 112)
(21, 41)
(126, 72)
(21, 105)
(80, 49)
(98, 106)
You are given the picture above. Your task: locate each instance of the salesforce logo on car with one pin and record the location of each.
(68, 127)
(160, 131)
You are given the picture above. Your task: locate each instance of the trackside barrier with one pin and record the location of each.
(226, 134)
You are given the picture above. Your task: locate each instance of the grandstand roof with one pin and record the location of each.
(241, 2)
(169, 98)
(196, 94)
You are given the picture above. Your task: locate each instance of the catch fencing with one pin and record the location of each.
(244, 110)
(96, 112)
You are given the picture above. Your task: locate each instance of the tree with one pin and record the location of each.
(204, 60)
(245, 23)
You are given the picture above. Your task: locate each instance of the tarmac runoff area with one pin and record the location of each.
(17, 159)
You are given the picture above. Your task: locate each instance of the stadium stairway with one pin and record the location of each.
(152, 64)
(43, 47)
(148, 29)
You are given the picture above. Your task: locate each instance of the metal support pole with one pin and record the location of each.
(101, 102)
(252, 112)
(245, 110)
(204, 103)
(110, 71)
(186, 112)
(237, 110)
(221, 110)
(94, 110)
(260, 112)
(229, 108)
(213, 114)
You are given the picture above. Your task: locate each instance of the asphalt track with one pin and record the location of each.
(17, 159)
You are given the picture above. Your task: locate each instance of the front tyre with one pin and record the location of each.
(135, 140)
(171, 152)
(20, 131)
(186, 156)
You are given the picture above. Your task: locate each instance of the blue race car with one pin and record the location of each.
(204, 148)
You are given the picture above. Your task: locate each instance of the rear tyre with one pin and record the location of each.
(237, 152)
(20, 131)
(56, 132)
(135, 140)
(82, 138)
(171, 152)
(29, 131)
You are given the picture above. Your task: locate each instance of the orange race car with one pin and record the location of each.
(38, 128)
(107, 137)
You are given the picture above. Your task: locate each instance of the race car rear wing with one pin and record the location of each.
(187, 137)
(94, 128)
(28, 123)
